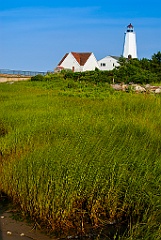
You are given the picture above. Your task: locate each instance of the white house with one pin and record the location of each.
(78, 62)
(108, 63)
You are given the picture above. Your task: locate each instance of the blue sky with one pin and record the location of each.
(34, 35)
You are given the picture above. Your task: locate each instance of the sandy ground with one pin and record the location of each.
(11, 229)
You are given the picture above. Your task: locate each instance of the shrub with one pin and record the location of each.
(38, 77)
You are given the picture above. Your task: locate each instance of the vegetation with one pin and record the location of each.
(139, 71)
(142, 71)
(76, 155)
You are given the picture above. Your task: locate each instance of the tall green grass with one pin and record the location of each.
(69, 157)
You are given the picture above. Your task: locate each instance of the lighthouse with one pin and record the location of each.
(130, 49)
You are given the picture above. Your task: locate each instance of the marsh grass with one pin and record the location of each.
(72, 158)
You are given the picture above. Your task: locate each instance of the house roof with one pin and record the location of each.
(63, 59)
(109, 56)
(117, 58)
(81, 58)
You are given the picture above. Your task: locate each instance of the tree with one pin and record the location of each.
(145, 63)
(139, 71)
(156, 64)
(156, 58)
(122, 61)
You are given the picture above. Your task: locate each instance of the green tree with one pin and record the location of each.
(122, 61)
(145, 63)
(156, 58)
(156, 64)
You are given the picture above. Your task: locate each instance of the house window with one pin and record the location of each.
(113, 64)
(103, 64)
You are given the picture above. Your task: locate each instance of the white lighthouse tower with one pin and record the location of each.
(130, 49)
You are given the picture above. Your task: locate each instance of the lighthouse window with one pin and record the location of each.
(103, 64)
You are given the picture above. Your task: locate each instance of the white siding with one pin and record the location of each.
(108, 63)
(91, 63)
(130, 45)
(70, 63)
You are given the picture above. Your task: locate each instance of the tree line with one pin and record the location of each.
(143, 71)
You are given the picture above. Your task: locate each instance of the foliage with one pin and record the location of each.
(139, 71)
(156, 58)
(38, 77)
(143, 71)
(68, 160)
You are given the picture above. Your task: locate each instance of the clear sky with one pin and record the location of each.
(35, 34)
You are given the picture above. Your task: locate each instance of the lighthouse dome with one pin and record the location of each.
(130, 28)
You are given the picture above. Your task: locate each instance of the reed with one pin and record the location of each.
(91, 156)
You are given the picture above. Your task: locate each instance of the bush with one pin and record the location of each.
(38, 77)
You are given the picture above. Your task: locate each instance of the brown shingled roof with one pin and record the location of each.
(63, 59)
(81, 58)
